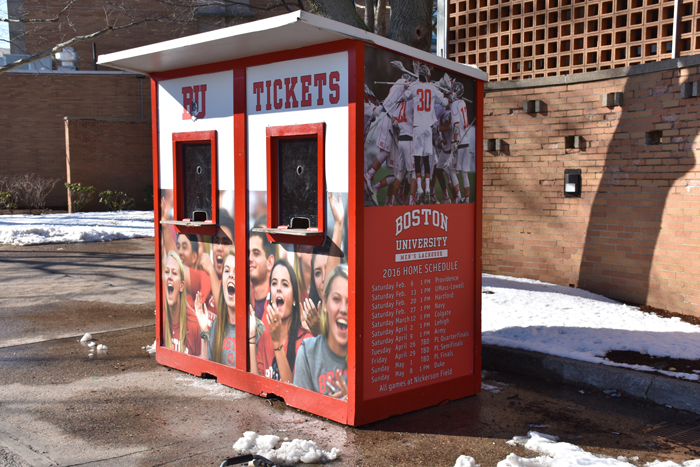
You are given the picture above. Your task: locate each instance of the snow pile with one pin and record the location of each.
(289, 453)
(151, 349)
(76, 227)
(466, 461)
(576, 324)
(89, 341)
(494, 388)
(557, 454)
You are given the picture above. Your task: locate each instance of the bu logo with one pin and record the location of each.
(194, 102)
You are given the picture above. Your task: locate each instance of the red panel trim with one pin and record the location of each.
(195, 137)
(240, 208)
(479, 180)
(273, 134)
(356, 138)
(156, 212)
(271, 154)
(281, 56)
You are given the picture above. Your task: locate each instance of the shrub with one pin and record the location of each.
(6, 201)
(80, 195)
(116, 200)
(29, 190)
(148, 195)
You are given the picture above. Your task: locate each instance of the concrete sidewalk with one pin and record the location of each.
(651, 387)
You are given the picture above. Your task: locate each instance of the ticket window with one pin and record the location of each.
(195, 187)
(296, 183)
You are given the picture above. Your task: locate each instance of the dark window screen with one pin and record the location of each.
(196, 179)
(298, 179)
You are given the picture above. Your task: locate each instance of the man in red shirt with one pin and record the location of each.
(261, 257)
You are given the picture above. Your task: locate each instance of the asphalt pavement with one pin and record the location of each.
(59, 406)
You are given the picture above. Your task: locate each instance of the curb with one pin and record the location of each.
(640, 385)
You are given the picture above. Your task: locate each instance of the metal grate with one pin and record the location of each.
(684, 434)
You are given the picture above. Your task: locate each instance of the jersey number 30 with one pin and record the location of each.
(425, 98)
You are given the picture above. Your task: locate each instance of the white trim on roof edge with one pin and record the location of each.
(260, 37)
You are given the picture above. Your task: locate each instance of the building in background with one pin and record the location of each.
(523, 39)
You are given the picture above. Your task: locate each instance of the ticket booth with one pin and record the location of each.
(317, 214)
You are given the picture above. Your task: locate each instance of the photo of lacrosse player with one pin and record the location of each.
(419, 135)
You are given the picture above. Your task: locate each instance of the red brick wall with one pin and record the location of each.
(33, 137)
(632, 234)
(110, 155)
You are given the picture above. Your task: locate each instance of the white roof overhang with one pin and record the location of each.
(285, 32)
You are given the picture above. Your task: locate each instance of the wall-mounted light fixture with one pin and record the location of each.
(612, 99)
(572, 183)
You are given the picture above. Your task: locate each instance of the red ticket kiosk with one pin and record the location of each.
(318, 215)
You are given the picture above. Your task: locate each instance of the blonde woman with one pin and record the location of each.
(220, 334)
(175, 329)
(322, 364)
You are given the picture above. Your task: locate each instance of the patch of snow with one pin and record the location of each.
(213, 387)
(573, 323)
(466, 461)
(494, 388)
(559, 454)
(77, 227)
(289, 453)
(151, 349)
(86, 337)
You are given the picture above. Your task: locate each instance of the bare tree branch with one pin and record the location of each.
(286, 6)
(225, 3)
(369, 15)
(339, 10)
(72, 41)
(39, 20)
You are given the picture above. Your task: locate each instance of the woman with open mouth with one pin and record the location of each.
(220, 334)
(278, 344)
(322, 364)
(175, 329)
